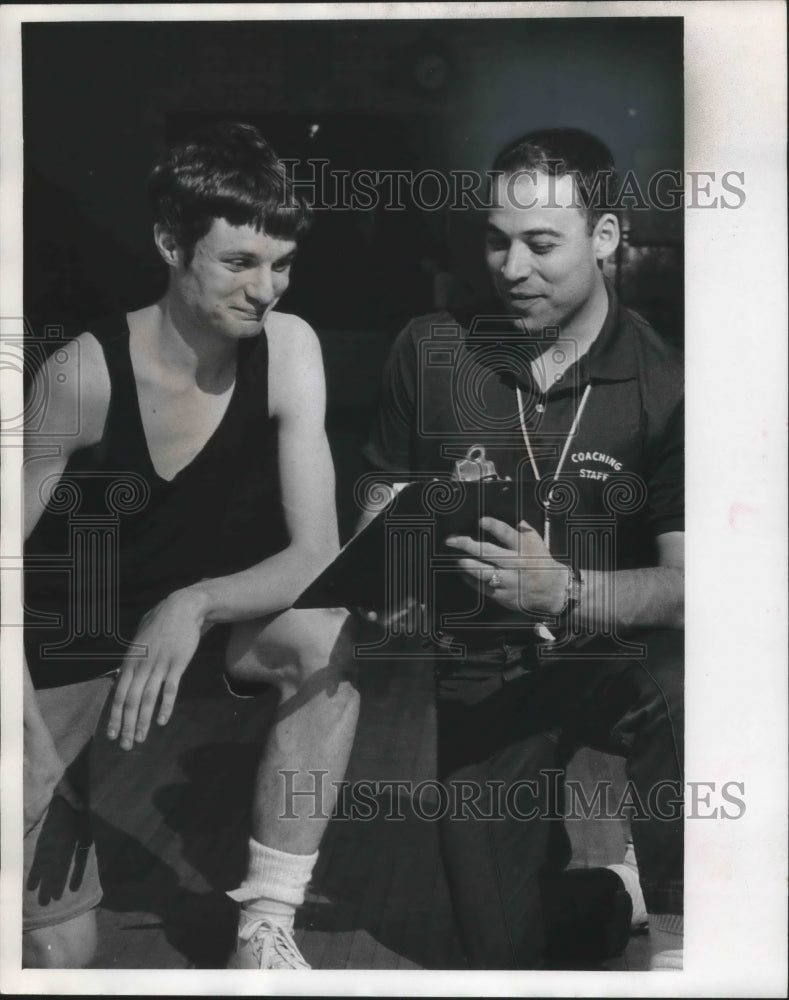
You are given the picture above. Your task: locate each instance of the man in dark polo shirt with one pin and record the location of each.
(579, 638)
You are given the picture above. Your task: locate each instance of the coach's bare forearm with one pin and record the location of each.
(633, 599)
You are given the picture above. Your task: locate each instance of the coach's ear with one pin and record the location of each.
(605, 237)
(166, 245)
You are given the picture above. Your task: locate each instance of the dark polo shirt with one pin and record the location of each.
(450, 384)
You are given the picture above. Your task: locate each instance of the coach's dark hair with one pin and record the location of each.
(560, 151)
(226, 171)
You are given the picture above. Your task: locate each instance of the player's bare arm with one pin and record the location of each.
(172, 630)
(85, 390)
(297, 400)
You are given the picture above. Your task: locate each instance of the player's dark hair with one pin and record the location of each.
(226, 171)
(560, 151)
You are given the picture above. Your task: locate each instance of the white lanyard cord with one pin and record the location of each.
(567, 441)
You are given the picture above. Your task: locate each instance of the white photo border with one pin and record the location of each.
(736, 317)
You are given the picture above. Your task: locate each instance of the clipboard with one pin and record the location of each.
(406, 539)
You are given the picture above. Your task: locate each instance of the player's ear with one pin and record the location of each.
(165, 244)
(606, 235)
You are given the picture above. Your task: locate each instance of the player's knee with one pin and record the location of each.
(320, 642)
(307, 643)
(322, 655)
(70, 945)
(245, 658)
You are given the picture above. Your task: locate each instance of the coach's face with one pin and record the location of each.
(542, 258)
(235, 278)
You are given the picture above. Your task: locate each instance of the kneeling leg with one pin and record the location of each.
(308, 656)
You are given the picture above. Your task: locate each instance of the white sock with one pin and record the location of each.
(275, 884)
(667, 934)
(628, 872)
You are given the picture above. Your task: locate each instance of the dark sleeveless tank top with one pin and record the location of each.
(115, 538)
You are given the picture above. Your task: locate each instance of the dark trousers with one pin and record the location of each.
(503, 747)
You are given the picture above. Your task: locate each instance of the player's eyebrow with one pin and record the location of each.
(238, 252)
(250, 255)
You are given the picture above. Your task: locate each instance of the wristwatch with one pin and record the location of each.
(573, 594)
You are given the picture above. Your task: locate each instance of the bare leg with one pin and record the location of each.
(70, 945)
(308, 655)
(61, 878)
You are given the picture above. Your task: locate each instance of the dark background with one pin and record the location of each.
(101, 100)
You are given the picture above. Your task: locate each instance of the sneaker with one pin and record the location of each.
(262, 944)
(587, 914)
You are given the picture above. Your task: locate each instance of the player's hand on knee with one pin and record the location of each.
(169, 635)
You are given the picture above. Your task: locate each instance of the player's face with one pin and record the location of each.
(540, 254)
(235, 278)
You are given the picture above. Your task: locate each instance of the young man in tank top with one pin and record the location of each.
(183, 404)
(580, 641)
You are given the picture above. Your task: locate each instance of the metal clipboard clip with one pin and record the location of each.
(474, 466)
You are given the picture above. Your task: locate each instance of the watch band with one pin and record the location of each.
(573, 594)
